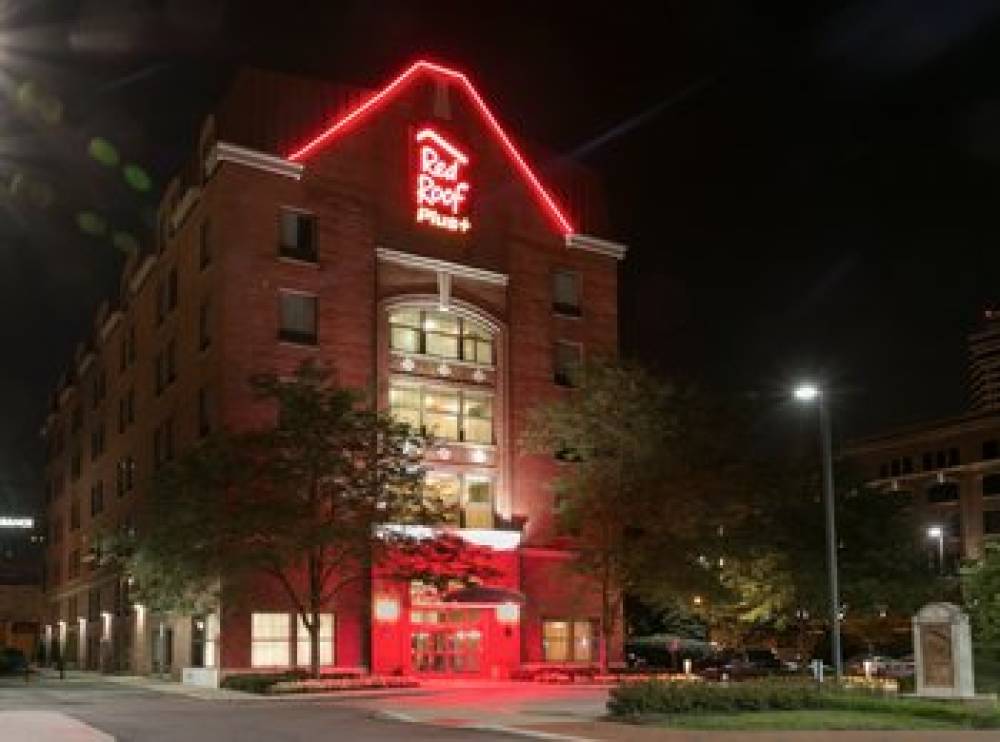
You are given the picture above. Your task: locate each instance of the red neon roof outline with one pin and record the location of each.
(342, 124)
(443, 143)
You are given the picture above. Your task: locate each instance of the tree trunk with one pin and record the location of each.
(314, 633)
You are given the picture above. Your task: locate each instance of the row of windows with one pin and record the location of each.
(440, 334)
(272, 640)
(448, 414)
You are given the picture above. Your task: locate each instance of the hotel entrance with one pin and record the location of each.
(447, 640)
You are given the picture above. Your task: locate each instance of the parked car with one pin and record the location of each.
(12, 660)
(751, 663)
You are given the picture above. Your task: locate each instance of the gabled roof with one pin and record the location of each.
(420, 69)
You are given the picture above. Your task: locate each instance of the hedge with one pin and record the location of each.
(658, 698)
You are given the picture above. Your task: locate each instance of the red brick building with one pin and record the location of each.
(402, 237)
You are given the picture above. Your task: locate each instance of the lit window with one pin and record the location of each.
(303, 641)
(444, 413)
(566, 293)
(270, 639)
(567, 359)
(440, 334)
(443, 492)
(478, 502)
(477, 412)
(441, 414)
(298, 318)
(568, 640)
(298, 235)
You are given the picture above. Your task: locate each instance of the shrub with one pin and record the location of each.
(259, 682)
(659, 698)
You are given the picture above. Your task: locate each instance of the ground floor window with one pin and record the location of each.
(270, 637)
(303, 645)
(569, 640)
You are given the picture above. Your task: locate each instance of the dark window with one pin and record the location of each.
(990, 449)
(940, 460)
(928, 461)
(907, 465)
(204, 246)
(991, 485)
(883, 471)
(895, 467)
(991, 522)
(75, 465)
(74, 514)
(946, 492)
(204, 414)
(567, 358)
(204, 334)
(77, 421)
(171, 362)
(172, 289)
(953, 457)
(298, 318)
(97, 498)
(566, 293)
(298, 235)
(97, 441)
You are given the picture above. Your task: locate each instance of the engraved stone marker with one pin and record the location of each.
(942, 648)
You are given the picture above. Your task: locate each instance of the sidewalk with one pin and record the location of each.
(600, 731)
(48, 726)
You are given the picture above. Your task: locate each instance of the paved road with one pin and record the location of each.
(137, 714)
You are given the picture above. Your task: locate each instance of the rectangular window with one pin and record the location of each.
(204, 245)
(298, 235)
(567, 640)
(566, 293)
(303, 644)
(270, 639)
(74, 514)
(204, 415)
(440, 334)
(990, 449)
(97, 498)
(172, 289)
(953, 457)
(298, 318)
(567, 359)
(204, 334)
(171, 361)
(74, 465)
(449, 414)
(928, 461)
(478, 502)
(991, 523)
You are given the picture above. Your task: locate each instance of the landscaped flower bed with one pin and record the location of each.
(323, 685)
(298, 681)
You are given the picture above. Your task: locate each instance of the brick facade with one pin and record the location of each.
(371, 257)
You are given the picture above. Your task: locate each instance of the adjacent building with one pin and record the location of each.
(951, 467)
(401, 236)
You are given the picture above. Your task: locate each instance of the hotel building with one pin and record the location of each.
(402, 237)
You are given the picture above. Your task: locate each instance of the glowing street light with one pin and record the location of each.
(809, 392)
(937, 533)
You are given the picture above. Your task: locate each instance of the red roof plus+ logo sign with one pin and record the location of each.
(442, 190)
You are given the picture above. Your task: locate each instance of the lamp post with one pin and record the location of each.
(808, 393)
(937, 533)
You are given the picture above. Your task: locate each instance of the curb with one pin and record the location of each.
(496, 728)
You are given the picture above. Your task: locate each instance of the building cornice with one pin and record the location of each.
(587, 243)
(135, 283)
(434, 265)
(226, 152)
(109, 324)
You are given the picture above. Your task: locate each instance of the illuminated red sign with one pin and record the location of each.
(442, 190)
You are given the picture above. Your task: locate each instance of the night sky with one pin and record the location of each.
(804, 190)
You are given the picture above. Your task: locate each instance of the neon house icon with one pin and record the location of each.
(442, 191)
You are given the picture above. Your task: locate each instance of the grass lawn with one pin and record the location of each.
(806, 719)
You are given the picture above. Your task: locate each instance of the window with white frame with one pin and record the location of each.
(298, 235)
(303, 641)
(270, 639)
(445, 413)
(566, 293)
(569, 640)
(466, 500)
(440, 334)
(298, 318)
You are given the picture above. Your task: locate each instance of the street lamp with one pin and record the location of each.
(808, 392)
(937, 532)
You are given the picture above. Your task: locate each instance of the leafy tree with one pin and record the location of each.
(443, 561)
(640, 485)
(301, 500)
(981, 594)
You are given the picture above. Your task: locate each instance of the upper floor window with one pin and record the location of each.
(450, 414)
(566, 363)
(205, 245)
(566, 293)
(204, 325)
(298, 235)
(440, 334)
(990, 449)
(298, 318)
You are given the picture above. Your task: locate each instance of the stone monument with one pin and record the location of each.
(942, 652)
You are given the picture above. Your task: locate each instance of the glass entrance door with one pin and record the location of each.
(447, 641)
